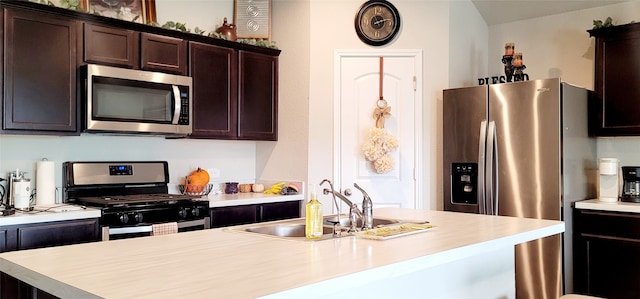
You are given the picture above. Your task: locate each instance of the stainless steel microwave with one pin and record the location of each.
(118, 100)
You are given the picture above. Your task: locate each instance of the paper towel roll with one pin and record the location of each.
(45, 183)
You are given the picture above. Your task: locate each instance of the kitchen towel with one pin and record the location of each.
(164, 228)
(45, 183)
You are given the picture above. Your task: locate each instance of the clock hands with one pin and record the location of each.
(381, 21)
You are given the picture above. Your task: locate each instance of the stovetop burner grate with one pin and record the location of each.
(135, 199)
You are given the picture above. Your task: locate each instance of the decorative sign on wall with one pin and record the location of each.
(252, 18)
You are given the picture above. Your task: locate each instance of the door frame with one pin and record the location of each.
(416, 54)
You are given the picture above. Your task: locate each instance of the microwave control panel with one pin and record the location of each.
(184, 107)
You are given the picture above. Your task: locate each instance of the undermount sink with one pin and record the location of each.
(286, 230)
(294, 229)
(345, 223)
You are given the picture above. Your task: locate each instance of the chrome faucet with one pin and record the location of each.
(336, 224)
(354, 213)
(367, 209)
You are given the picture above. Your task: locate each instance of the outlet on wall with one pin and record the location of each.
(214, 172)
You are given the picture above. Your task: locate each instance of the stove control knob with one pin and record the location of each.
(182, 213)
(124, 218)
(195, 212)
(138, 217)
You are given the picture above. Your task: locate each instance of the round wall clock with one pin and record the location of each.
(377, 22)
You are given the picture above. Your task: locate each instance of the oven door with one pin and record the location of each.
(115, 233)
(124, 100)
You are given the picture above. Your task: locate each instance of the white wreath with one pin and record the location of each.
(377, 148)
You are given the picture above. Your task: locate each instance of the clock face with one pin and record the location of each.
(377, 22)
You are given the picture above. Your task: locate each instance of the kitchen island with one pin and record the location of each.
(464, 256)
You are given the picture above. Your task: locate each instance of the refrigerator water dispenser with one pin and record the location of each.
(464, 183)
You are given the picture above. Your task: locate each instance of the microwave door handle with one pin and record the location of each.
(176, 105)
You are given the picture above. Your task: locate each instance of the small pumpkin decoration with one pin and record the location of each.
(196, 181)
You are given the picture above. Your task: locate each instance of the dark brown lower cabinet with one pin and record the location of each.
(246, 214)
(39, 235)
(606, 254)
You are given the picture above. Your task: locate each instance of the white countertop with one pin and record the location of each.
(618, 206)
(238, 199)
(63, 212)
(59, 212)
(247, 198)
(225, 264)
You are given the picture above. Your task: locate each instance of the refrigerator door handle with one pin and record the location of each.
(492, 170)
(482, 153)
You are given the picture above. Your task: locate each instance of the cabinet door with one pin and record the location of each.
(606, 261)
(258, 96)
(163, 54)
(227, 216)
(4, 240)
(614, 268)
(111, 46)
(280, 210)
(214, 91)
(39, 73)
(617, 73)
(57, 233)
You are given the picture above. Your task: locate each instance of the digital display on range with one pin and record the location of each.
(120, 169)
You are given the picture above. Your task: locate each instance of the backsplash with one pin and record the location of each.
(626, 149)
(236, 160)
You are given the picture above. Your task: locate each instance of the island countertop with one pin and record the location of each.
(224, 264)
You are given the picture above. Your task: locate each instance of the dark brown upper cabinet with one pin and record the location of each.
(111, 46)
(39, 71)
(214, 74)
(616, 104)
(234, 93)
(163, 54)
(127, 48)
(257, 96)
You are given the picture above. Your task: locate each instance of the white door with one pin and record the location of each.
(357, 92)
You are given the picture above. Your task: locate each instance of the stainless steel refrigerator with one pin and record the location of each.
(521, 149)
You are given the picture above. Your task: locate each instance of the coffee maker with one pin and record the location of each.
(631, 184)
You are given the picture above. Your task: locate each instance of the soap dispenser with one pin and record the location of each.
(313, 224)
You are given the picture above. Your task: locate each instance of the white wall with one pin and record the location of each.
(468, 45)
(235, 160)
(424, 26)
(560, 45)
(287, 159)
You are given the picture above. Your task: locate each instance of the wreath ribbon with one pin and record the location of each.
(376, 149)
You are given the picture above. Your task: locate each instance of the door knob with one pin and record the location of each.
(347, 192)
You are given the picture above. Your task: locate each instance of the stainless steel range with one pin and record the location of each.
(133, 197)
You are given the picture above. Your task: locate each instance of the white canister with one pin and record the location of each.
(608, 186)
(21, 193)
(608, 166)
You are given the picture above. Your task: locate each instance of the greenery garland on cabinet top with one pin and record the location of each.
(75, 5)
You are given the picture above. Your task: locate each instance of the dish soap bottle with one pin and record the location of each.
(313, 224)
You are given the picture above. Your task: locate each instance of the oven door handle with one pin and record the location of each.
(108, 231)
